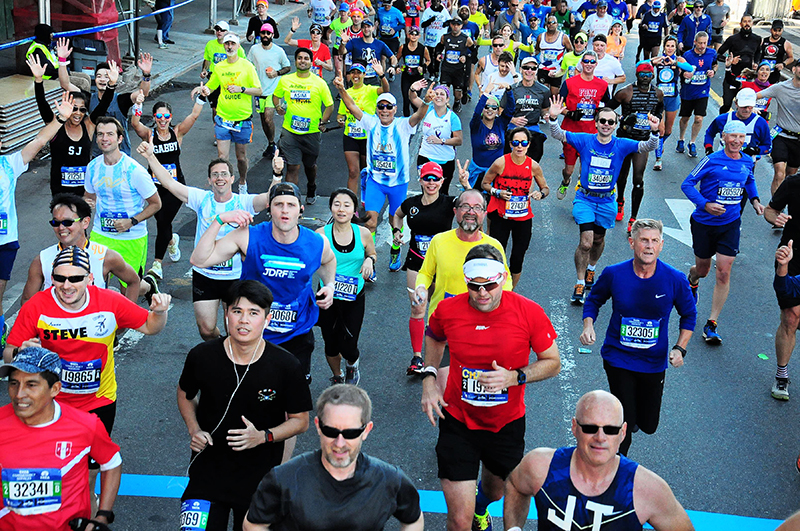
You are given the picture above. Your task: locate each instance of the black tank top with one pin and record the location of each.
(774, 52)
(641, 103)
(69, 159)
(168, 153)
(411, 60)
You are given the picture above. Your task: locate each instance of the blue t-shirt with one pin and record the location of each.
(587, 8)
(487, 144)
(600, 163)
(358, 49)
(700, 84)
(653, 25)
(286, 269)
(689, 28)
(722, 180)
(618, 10)
(471, 30)
(756, 128)
(525, 32)
(392, 19)
(637, 338)
(541, 12)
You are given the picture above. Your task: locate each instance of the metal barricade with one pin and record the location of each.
(768, 10)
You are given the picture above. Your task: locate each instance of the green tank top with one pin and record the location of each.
(349, 281)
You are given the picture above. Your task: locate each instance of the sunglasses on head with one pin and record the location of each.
(517, 143)
(333, 433)
(604, 121)
(591, 429)
(385, 106)
(79, 109)
(492, 107)
(73, 279)
(529, 67)
(589, 61)
(161, 115)
(488, 286)
(65, 222)
(431, 179)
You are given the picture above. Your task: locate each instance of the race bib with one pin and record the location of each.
(301, 124)
(642, 122)
(652, 27)
(699, 77)
(31, 491)
(219, 57)
(321, 16)
(588, 110)
(345, 288)
(473, 393)
(762, 104)
(230, 125)
(107, 220)
(316, 70)
(3, 223)
(355, 131)
(600, 174)
(81, 377)
(173, 172)
(668, 89)
(517, 206)
(729, 193)
(638, 333)
(549, 56)
(411, 61)
(227, 265)
(423, 242)
(300, 95)
(72, 175)
(284, 317)
(452, 56)
(384, 163)
(194, 515)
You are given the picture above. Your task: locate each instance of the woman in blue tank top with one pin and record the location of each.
(355, 259)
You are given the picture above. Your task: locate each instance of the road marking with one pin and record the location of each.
(715, 97)
(682, 210)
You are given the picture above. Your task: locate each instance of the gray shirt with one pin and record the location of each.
(786, 101)
(718, 13)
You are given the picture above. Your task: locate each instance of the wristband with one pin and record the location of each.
(395, 230)
(58, 118)
(429, 371)
(146, 78)
(374, 260)
(200, 100)
(108, 515)
(680, 349)
(268, 436)
(62, 60)
(137, 109)
(219, 220)
(112, 87)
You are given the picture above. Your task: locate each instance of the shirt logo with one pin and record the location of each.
(281, 266)
(63, 449)
(266, 395)
(481, 327)
(662, 295)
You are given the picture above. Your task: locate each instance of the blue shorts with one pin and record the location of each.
(602, 213)
(376, 194)
(476, 174)
(8, 253)
(244, 136)
(708, 240)
(672, 103)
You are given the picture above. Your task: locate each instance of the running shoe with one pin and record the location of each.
(589, 275)
(680, 147)
(352, 375)
(156, 270)
(174, 249)
(151, 281)
(416, 366)
(465, 97)
(390, 76)
(562, 156)
(4, 338)
(270, 151)
(692, 151)
(620, 211)
(630, 225)
(780, 389)
(657, 165)
(710, 333)
(457, 107)
(394, 261)
(373, 278)
(162, 46)
(337, 379)
(482, 522)
(242, 189)
(797, 464)
(311, 199)
(694, 288)
(578, 293)
(561, 193)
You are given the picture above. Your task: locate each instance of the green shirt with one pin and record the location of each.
(338, 26)
(305, 97)
(366, 99)
(234, 107)
(215, 53)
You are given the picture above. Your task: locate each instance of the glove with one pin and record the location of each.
(751, 150)
(574, 115)
(709, 150)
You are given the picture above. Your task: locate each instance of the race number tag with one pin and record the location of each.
(321, 16)
(284, 317)
(345, 288)
(173, 172)
(300, 95)
(72, 175)
(32, 490)
(355, 131)
(384, 163)
(642, 122)
(3, 223)
(517, 206)
(81, 377)
(218, 57)
(423, 242)
(301, 124)
(452, 56)
(729, 193)
(638, 333)
(473, 393)
(227, 265)
(231, 125)
(588, 110)
(699, 77)
(412, 61)
(600, 174)
(549, 56)
(107, 220)
(194, 515)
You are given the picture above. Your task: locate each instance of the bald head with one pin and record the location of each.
(599, 402)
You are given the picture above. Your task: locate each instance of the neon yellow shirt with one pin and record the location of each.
(479, 19)
(445, 261)
(234, 107)
(215, 53)
(305, 97)
(338, 26)
(569, 62)
(366, 99)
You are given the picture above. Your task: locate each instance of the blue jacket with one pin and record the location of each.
(689, 28)
(758, 134)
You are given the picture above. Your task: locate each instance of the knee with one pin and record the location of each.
(790, 320)
(638, 183)
(723, 275)
(208, 331)
(585, 245)
(458, 522)
(698, 120)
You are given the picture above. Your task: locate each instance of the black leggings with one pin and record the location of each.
(406, 80)
(448, 169)
(433, 66)
(341, 327)
(729, 89)
(639, 163)
(501, 228)
(164, 217)
(640, 394)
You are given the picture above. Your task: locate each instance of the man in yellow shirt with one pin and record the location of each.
(214, 53)
(238, 82)
(304, 119)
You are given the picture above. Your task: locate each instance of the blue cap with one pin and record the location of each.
(734, 127)
(359, 67)
(657, 4)
(34, 360)
(367, 22)
(344, 7)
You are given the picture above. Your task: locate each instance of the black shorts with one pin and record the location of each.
(545, 79)
(208, 289)
(106, 414)
(301, 347)
(786, 150)
(640, 394)
(413, 261)
(453, 75)
(789, 302)
(460, 450)
(354, 144)
(649, 42)
(698, 107)
(708, 240)
(716, 35)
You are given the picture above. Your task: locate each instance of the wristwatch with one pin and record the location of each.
(133, 221)
(270, 437)
(522, 378)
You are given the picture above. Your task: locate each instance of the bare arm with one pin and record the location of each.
(142, 131)
(188, 409)
(157, 317)
(495, 170)
(35, 280)
(327, 274)
(179, 190)
(210, 251)
(63, 51)
(419, 525)
(109, 487)
(523, 483)
(347, 99)
(49, 131)
(249, 526)
(655, 503)
(432, 399)
(114, 263)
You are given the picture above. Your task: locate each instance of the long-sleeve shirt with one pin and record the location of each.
(722, 180)
(689, 28)
(745, 47)
(487, 144)
(757, 131)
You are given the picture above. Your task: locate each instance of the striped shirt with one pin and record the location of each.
(11, 167)
(388, 149)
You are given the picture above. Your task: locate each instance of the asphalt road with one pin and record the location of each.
(723, 444)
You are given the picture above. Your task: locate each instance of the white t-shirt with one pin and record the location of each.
(501, 83)
(597, 25)
(122, 190)
(607, 68)
(11, 167)
(434, 32)
(443, 127)
(321, 12)
(262, 59)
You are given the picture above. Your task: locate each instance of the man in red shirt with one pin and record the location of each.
(484, 409)
(43, 449)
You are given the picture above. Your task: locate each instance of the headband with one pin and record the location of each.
(483, 267)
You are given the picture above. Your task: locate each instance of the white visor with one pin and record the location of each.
(483, 268)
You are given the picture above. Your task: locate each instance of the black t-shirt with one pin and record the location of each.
(454, 47)
(273, 386)
(788, 195)
(301, 495)
(254, 28)
(426, 221)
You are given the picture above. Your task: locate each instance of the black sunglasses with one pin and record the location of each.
(491, 107)
(604, 121)
(385, 106)
(65, 222)
(81, 109)
(591, 429)
(333, 433)
(498, 45)
(528, 67)
(488, 286)
(315, 32)
(73, 279)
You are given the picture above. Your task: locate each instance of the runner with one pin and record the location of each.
(487, 135)
(593, 208)
(599, 22)
(390, 23)
(785, 286)
(695, 89)
(339, 26)
(366, 48)
(643, 291)
(720, 14)
(490, 63)
(414, 59)
(677, 15)
(777, 50)
(741, 51)
(551, 46)
(321, 12)
(523, 106)
(724, 177)
(499, 81)
(321, 54)
(757, 140)
(653, 28)
(668, 69)
(483, 419)
(616, 41)
(566, 19)
(453, 53)
(434, 22)
(608, 68)
(691, 25)
(759, 80)
(257, 22)
(355, 260)
(441, 132)
(571, 59)
(215, 53)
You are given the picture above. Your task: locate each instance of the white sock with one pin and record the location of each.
(582, 282)
(591, 267)
(160, 35)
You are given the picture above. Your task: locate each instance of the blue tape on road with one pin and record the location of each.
(432, 501)
(96, 29)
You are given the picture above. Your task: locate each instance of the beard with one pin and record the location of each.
(266, 41)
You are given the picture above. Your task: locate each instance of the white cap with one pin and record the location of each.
(746, 98)
(387, 96)
(230, 37)
(222, 25)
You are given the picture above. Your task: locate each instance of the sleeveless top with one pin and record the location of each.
(69, 159)
(560, 506)
(97, 256)
(349, 259)
(774, 52)
(168, 153)
(286, 269)
(551, 52)
(518, 179)
(641, 103)
(488, 69)
(667, 79)
(411, 59)
(749, 128)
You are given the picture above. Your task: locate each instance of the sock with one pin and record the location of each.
(711, 322)
(374, 235)
(591, 267)
(416, 328)
(353, 365)
(2, 325)
(582, 282)
(660, 148)
(481, 500)
(395, 248)
(783, 372)
(159, 35)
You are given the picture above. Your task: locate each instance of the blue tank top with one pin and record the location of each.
(561, 507)
(286, 270)
(349, 281)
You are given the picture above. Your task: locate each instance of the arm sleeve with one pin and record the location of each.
(684, 303)
(598, 297)
(125, 103)
(750, 183)
(508, 104)
(762, 136)
(475, 121)
(712, 131)
(778, 202)
(102, 107)
(41, 102)
(408, 509)
(266, 504)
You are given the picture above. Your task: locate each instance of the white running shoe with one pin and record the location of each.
(156, 270)
(174, 250)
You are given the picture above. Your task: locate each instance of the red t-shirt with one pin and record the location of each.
(518, 179)
(322, 53)
(44, 469)
(506, 335)
(584, 96)
(84, 340)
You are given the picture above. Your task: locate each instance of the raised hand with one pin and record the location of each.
(113, 72)
(295, 23)
(36, 67)
(556, 105)
(146, 148)
(377, 66)
(277, 163)
(146, 63)
(463, 173)
(63, 49)
(65, 108)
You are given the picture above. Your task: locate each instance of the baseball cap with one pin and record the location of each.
(230, 37)
(388, 97)
(356, 11)
(315, 26)
(483, 268)
(583, 36)
(602, 3)
(777, 24)
(344, 7)
(222, 25)
(529, 60)
(267, 27)
(644, 66)
(284, 189)
(616, 21)
(734, 127)
(699, 3)
(367, 22)
(431, 168)
(746, 98)
(34, 360)
(456, 20)
(657, 5)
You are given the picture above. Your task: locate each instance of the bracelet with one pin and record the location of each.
(58, 118)
(430, 370)
(62, 60)
(395, 230)
(374, 260)
(199, 100)
(277, 175)
(146, 78)
(219, 220)
(680, 349)
(112, 87)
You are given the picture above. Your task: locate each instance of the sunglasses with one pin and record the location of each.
(491, 107)
(385, 106)
(488, 286)
(73, 279)
(161, 115)
(604, 121)
(333, 433)
(499, 45)
(266, 34)
(530, 67)
(216, 174)
(588, 61)
(80, 109)
(65, 222)
(517, 143)
(217, 28)
(431, 179)
(315, 32)
(591, 429)
(580, 41)
(413, 33)
(551, 22)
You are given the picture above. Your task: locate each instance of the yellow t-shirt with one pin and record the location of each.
(215, 53)
(234, 107)
(445, 261)
(366, 99)
(479, 19)
(305, 98)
